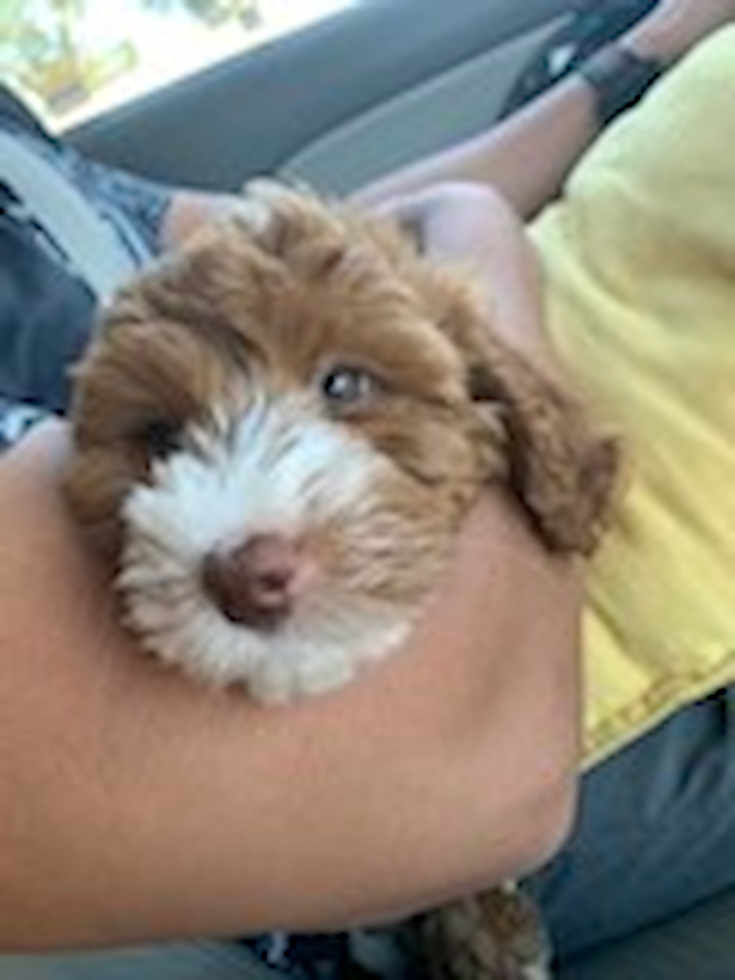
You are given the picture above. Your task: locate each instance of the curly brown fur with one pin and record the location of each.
(258, 310)
(560, 466)
(495, 936)
(227, 346)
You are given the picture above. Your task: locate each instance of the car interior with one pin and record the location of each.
(335, 104)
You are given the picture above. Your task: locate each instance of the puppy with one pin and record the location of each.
(278, 430)
(277, 433)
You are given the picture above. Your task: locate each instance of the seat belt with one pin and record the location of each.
(90, 243)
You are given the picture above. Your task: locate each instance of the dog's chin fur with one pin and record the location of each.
(202, 418)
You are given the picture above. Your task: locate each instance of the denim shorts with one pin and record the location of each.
(655, 832)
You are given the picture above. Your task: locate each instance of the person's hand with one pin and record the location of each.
(675, 26)
(472, 225)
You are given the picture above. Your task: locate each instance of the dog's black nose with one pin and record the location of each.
(252, 584)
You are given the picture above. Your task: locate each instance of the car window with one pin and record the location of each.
(73, 59)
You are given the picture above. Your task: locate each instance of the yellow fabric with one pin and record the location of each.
(640, 265)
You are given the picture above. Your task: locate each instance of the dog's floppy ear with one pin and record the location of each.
(560, 469)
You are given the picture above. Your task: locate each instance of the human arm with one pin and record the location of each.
(140, 807)
(527, 156)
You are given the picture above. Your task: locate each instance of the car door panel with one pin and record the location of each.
(449, 107)
(254, 112)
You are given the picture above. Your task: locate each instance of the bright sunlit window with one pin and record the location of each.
(73, 59)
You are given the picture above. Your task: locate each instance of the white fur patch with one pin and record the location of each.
(279, 468)
(537, 971)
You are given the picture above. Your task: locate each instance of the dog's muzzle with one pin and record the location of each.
(264, 553)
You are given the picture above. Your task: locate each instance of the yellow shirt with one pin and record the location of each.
(639, 258)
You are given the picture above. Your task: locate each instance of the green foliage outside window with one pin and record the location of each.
(45, 52)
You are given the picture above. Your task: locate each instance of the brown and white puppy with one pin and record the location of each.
(278, 430)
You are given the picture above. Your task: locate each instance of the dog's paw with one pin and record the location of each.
(254, 210)
(265, 201)
(497, 936)
(288, 219)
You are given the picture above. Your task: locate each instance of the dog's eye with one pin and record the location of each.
(159, 437)
(481, 386)
(345, 386)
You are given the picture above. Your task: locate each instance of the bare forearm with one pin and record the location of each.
(524, 158)
(138, 807)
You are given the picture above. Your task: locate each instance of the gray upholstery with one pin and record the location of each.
(252, 113)
(454, 104)
(699, 945)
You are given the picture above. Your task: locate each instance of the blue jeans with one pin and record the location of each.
(655, 834)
